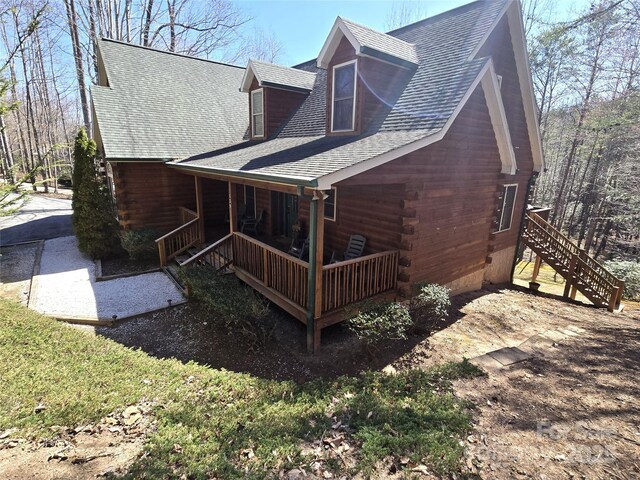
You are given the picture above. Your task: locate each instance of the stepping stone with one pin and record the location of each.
(575, 329)
(486, 362)
(536, 344)
(569, 333)
(509, 355)
(554, 335)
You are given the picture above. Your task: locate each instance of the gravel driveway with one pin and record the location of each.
(66, 287)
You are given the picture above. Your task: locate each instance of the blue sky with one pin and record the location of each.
(303, 25)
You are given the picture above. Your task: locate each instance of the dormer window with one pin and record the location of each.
(257, 113)
(343, 90)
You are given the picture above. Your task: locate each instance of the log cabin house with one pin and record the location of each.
(424, 140)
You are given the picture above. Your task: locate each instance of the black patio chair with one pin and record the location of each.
(251, 224)
(299, 249)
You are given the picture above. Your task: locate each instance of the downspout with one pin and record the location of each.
(530, 183)
(311, 274)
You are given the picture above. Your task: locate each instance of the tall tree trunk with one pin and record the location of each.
(147, 23)
(77, 55)
(558, 206)
(6, 149)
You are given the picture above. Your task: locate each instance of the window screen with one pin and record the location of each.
(257, 113)
(330, 205)
(507, 203)
(344, 78)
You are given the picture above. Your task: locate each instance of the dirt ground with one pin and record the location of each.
(107, 448)
(572, 410)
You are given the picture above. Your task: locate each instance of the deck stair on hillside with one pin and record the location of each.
(581, 272)
(216, 255)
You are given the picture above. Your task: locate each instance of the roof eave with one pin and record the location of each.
(295, 181)
(281, 86)
(385, 57)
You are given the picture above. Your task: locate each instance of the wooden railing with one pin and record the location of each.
(581, 271)
(219, 255)
(551, 239)
(343, 283)
(186, 215)
(354, 280)
(178, 241)
(274, 269)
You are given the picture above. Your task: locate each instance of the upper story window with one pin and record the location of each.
(343, 103)
(257, 113)
(507, 203)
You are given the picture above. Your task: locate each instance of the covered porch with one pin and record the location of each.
(316, 288)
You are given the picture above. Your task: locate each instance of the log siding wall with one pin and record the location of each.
(148, 195)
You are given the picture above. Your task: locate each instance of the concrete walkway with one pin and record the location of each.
(65, 287)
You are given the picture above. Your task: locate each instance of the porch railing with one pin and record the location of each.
(354, 280)
(274, 269)
(186, 215)
(177, 241)
(343, 283)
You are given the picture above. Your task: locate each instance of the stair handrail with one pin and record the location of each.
(588, 259)
(606, 288)
(161, 242)
(206, 251)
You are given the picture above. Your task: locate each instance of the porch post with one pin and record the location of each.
(232, 207)
(200, 209)
(314, 280)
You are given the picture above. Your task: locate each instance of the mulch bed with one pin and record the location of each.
(123, 265)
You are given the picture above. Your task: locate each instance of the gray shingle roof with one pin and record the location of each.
(164, 106)
(381, 42)
(277, 75)
(425, 104)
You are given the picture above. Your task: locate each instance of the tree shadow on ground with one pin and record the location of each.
(189, 334)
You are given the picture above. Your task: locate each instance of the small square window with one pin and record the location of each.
(257, 113)
(330, 204)
(507, 204)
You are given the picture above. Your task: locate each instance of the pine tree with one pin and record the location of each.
(94, 222)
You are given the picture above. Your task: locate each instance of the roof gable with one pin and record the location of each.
(369, 42)
(277, 76)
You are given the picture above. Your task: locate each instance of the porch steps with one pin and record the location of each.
(581, 272)
(171, 271)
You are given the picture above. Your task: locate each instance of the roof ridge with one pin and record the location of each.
(437, 17)
(281, 66)
(191, 57)
(374, 30)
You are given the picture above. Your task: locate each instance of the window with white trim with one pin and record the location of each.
(343, 91)
(257, 113)
(506, 205)
(330, 204)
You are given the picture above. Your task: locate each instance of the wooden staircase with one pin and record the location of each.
(581, 272)
(219, 255)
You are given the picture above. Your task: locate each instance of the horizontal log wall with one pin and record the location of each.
(448, 197)
(148, 195)
(374, 212)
